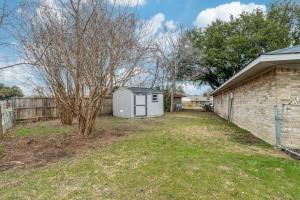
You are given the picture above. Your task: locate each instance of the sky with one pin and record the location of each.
(163, 14)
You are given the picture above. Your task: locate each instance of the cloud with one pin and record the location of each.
(170, 25)
(156, 23)
(130, 3)
(20, 76)
(157, 27)
(192, 89)
(224, 11)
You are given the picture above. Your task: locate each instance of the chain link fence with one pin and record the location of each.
(287, 127)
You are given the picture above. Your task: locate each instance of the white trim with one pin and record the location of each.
(268, 60)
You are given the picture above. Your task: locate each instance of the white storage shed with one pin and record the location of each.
(138, 102)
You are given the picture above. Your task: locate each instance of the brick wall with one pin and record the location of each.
(254, 100)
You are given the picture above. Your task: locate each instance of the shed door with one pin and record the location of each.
(140, 105)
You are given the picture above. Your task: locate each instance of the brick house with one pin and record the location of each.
(268, 86)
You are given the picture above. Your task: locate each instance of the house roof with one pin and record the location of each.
(289, 55)
(289, 50)
(177, 95)
(144, 90)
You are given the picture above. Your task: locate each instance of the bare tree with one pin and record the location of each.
(3, 13)
(6, 12)
(170, 50)
(82, 49)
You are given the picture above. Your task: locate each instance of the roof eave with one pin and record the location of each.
(267, 60)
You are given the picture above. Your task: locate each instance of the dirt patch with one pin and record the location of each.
(28, 152)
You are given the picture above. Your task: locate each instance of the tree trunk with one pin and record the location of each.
(172, 95)
(87, 119)
(86, 125)
(173, 89)
(66, 116)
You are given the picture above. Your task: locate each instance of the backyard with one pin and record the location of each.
(186, 155)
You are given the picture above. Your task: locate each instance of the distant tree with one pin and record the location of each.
(224, 48)
(170, 53)
(9, 92)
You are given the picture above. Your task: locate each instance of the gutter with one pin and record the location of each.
(268, 59)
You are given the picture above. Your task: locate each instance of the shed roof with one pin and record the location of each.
(289, 55)
(144, 90)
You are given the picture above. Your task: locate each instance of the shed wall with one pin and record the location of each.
(254, 100)
(123, 103)
(155, 108)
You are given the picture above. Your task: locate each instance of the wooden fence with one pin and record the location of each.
(29, 109)
(44, 108)
(6, 116)
(34, 109)
(106, 107)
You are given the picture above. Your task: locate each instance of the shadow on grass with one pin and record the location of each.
(244, 137)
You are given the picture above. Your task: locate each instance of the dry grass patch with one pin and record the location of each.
(203, 131)
(37, 144)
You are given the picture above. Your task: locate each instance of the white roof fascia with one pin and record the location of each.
(253, 64)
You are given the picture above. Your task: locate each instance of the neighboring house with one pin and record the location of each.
(138, 102)
(195, 102)
(177, 106)
(268, 86)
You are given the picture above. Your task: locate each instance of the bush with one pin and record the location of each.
(167, 102)
(208, 107)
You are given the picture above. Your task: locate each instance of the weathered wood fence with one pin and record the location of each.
(31, 109)
(106, 107)
(6, 116)
(44, 108)
(34, 109)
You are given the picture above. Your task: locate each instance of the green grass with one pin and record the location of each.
(42, 129)
(181, 156)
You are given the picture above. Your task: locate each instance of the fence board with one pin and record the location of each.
(43, 108)
(7, 120)
(7, 116)
(106, 107)
(34, 109)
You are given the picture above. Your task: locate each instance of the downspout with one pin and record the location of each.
(277, 126)
(230, 106)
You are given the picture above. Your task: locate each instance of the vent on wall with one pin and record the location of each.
(295, 101)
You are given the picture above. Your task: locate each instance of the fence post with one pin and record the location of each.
(1, 128)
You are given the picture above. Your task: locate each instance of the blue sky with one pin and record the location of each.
(184, 11)
(163, 14)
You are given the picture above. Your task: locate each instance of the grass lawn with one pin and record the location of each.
(42, 129)
(186, 155)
